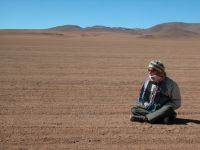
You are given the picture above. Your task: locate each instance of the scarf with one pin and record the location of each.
(155, 78)
(150, 95)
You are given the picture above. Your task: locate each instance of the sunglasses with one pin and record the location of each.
(152, 70)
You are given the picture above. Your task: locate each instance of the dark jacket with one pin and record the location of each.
(166, 92)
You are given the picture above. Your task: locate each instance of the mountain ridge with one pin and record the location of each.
(163, 30)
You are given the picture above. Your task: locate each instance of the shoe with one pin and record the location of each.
(166, 120)
(173, 117)
(138, 118)
(131, 118)
(169, 119)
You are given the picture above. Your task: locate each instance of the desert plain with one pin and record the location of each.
(75, 91)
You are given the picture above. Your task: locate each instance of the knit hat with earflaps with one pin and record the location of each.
(157, 65)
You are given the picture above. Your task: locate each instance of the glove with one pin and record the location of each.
(146, 105)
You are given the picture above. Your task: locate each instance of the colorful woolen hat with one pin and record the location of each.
(157, 65)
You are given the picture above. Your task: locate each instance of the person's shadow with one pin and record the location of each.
(181, 121)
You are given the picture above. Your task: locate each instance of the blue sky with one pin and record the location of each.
(40, 14)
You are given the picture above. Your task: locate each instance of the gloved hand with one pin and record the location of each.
(146, 105)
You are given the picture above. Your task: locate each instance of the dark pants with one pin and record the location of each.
(156, 116)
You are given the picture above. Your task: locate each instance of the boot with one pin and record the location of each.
(138, 118)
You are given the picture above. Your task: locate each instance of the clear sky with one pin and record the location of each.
(40, 14)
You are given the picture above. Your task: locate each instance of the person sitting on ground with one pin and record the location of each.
(159, 97)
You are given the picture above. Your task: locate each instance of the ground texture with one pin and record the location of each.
(75, 91)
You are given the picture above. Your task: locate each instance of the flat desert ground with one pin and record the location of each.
(75, 91)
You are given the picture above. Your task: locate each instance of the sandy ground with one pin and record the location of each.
(75, 92)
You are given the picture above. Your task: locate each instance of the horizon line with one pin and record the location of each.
(83, 27)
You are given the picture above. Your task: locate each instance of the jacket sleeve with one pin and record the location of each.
(175, 96)
(139, 99)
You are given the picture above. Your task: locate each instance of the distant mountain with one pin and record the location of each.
(173, 30)
(164, 30)
(97, 28)
(67, 28)
(193, 27)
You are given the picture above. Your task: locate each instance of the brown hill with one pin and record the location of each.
(173, 30)
(165, 30)
(194, 27)
(67, 28)
(97, 28)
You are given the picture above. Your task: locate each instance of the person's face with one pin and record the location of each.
(152, 71)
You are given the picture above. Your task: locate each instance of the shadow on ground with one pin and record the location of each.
(181, 121)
